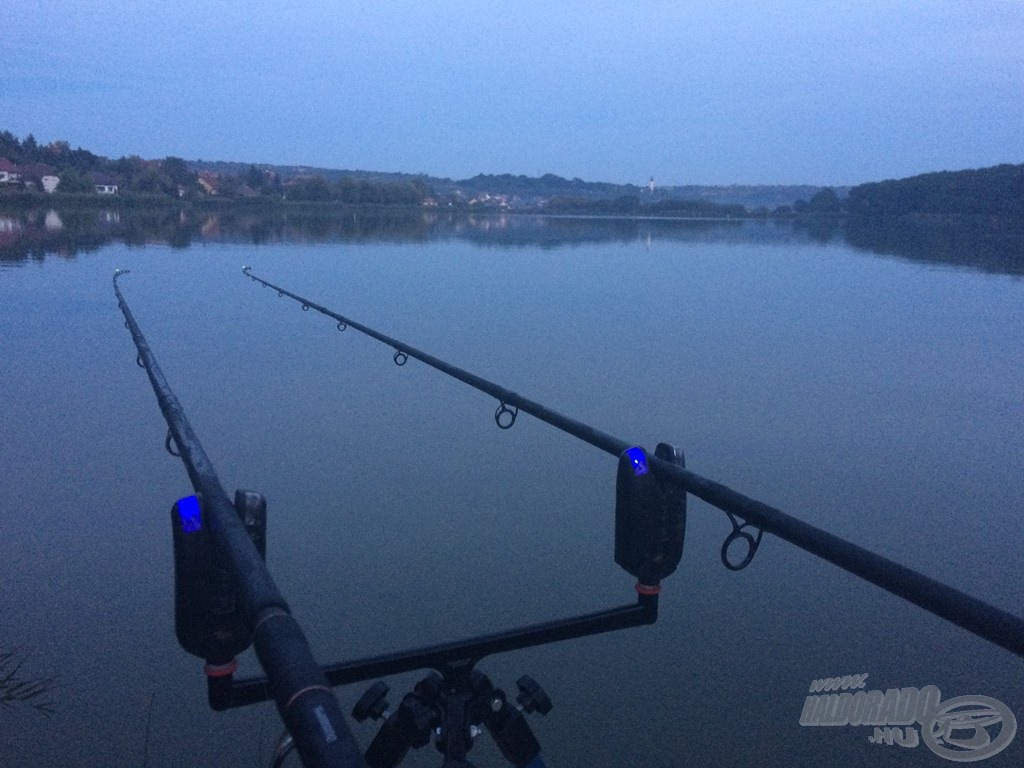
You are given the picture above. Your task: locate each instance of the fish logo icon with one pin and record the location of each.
(969, 728)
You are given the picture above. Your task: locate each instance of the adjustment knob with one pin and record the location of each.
(372, 703)
(532, 698)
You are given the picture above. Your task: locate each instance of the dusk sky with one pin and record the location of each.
(802, 91)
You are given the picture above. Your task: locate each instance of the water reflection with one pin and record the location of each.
(982, 245)
(32, 234)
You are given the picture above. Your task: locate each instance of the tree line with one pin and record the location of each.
(996, 192)
(80, 170)
(634, 205)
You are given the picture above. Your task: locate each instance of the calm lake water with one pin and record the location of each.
(879, 398)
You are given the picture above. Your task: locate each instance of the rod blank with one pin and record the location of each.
(305, 702)
(976, 616)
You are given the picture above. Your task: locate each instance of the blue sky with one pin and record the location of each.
(803, 91)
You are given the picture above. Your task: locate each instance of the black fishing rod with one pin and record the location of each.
(976, 616)
(225, 597)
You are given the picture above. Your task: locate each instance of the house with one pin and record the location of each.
(39, 175)
(103, 184)
(209, 182)
(9, 172)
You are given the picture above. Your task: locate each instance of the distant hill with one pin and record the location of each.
(996, 192)
(286, 172)
(532, 190)
(750, 196)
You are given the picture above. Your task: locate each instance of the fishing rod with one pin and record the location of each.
(225, 598)
(749, 518)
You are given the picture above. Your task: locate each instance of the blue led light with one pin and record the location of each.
(639, 460)
(189, 514)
